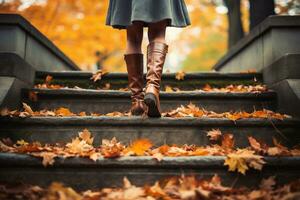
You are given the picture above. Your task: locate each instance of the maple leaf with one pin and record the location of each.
(242, 159)
(27, 109)
(86, 136)
(111, 148)
(227, 142)
(140, 146)
(63, 112)
(256, 146)
(98, 75)
(58, 191)
(180, 75)
(207, 87)
(78, 146)
(48, 157)
(48, 79)
(214, 134)
(155, 191)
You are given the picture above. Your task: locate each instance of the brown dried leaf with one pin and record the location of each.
(48, 79)
(227, 142)
(28, 109)
(256, 146)
(98, 75)
(111, 148)
(86, 136)
(214, 134)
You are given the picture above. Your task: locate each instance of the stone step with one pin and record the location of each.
(119, 80)
(102, 101)
(160, 131)
(139, 170)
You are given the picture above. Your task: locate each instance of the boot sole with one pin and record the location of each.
(150, 101)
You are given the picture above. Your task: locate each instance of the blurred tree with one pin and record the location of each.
(235, 29)
(78, 28)
(75, 26)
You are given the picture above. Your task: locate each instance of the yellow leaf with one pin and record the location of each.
(242, 159)
(168, 89)
(180, 75)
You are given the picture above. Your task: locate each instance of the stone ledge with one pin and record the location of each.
(140, 121)
(18, 20)
(166, 76)
(12, 65)
(286, 67)
(279, 22)
(13, 159)
(167, 95)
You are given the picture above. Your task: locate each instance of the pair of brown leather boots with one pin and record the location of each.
(148, 102)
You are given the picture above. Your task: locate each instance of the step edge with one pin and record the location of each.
(14, 159)
(187, 94)
(133, 121)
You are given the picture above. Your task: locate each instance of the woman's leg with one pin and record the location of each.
(156, 54)
(157, 31)
(134, 63)
(134, 38)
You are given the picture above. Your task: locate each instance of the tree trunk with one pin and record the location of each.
(259, 10)
(235, 28)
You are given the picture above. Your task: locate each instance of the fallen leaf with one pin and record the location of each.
(140, 146)
(227, 142)
(180, 75)
(28, 109)
(86, 136)
(242, 159)
(168, 89)
(214, 134)
(98, 75)
(63, 112)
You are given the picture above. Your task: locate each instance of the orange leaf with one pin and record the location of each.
(227, 142)
(180, 75)
(214, 134)
(140, 146)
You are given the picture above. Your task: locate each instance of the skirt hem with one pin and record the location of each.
(170, 24)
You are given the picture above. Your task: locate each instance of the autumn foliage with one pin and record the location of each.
(224, 145)
(180, 188)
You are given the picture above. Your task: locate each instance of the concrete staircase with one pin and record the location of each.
(83, 173)
(24, 61)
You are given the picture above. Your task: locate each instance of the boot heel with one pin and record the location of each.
(150, 101)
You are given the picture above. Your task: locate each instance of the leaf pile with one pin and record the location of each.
(192, 110)
(181, 188)
(59, 112)
(82, 146)
(228, 89)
